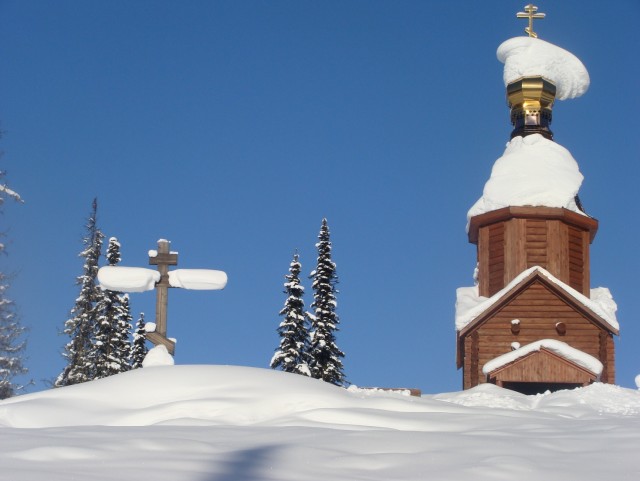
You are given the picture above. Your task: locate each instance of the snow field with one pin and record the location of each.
(228, 423)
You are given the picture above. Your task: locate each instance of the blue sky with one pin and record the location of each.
(232, 128)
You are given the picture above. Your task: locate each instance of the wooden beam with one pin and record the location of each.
(158, 339)
(163, 258)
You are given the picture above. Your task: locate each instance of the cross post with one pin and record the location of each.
(163, 259)
(530, 13)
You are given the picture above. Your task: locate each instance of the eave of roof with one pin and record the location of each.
(531, 212)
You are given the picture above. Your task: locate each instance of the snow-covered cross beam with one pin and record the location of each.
(140, 279)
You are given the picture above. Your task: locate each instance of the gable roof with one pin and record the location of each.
(472, 309)
(561, 349)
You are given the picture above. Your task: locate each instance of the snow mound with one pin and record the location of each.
(243, 396)
(533, 171)
(525, 56)
(210, 395)
(596, 399)
(586, 402)
(488, 396)
(158, 356)
(244, 424)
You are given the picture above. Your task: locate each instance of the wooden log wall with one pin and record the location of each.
(507, 248)
(541, 366)
(539, 310)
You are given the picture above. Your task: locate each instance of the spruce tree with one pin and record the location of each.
(325, 357)
(80, 327)
(12, 344)
(139, 349)
(112, 346)
(292, 354)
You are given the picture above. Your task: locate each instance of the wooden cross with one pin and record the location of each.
(141, 279)
(530, 13)
(163, 258)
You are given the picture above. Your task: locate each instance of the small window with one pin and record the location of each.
(561, 327)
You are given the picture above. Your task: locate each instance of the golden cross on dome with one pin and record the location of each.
(530, 13)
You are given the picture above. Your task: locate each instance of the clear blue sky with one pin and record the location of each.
(232, 128)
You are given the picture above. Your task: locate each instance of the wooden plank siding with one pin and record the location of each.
(540, 366)
(536, 243)
(509, 241)
(515, 239)
(496, 256)
(538, 309)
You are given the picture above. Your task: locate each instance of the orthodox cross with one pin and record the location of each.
(530, 13)
(163, 258)
(140, 279)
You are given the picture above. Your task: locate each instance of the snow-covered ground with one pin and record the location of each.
(222, 423)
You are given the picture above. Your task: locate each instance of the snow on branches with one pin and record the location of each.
(307, 344)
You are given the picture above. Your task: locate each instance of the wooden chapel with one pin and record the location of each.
(538, 325)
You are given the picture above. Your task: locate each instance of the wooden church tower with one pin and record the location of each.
(532, 322)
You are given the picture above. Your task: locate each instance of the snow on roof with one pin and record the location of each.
(561, 348)
(198, 279)
(533, 171)
(469, 304)
(525, 56)
(127, 279)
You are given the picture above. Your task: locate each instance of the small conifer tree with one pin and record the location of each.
(325, 357)
(79, 351)
(291, 355)
(12, 343)
(139, 349)
(112, 345)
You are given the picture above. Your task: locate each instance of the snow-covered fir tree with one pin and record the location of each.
(325, 357)
(12, 343)
(139, 348)
(292, 355)
(80, 327)
(127, 328)
(111, 337)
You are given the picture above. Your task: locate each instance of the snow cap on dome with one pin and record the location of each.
(528, 56)
(533, 171)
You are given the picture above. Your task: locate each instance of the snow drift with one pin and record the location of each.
(201, 423)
